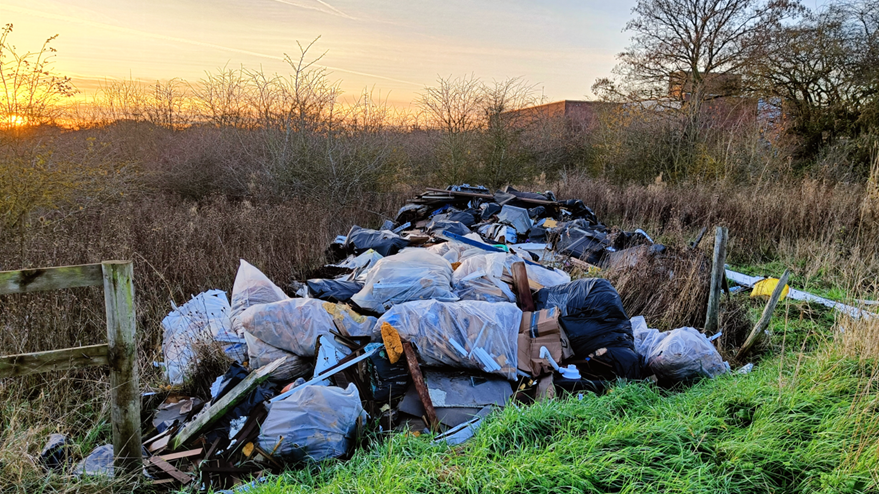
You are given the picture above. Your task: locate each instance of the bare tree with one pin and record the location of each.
(454, 107)
(689, 42)
(30, 90)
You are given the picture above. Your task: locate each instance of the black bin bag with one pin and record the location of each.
(596, 324)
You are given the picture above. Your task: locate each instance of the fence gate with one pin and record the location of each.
(119, 353)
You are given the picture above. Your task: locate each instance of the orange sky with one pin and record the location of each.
(395, 47)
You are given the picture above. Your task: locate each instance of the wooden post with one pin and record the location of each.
(420, 386)
(122, 352)
(718, 272)
(761, 325)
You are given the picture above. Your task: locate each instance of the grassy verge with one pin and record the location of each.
(795, 424)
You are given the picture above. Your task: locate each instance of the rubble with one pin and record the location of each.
(460, 305)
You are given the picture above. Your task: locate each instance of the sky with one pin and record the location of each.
(395, 48)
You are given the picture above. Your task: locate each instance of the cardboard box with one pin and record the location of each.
(539, 329)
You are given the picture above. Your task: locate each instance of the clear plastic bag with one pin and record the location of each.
(479, 278)
(413, 274)
(295, 324)
(313, 423)
(685, 354)
(261, 353)
(204, 318)
(251, 287)
(468, 334)
(646, 338)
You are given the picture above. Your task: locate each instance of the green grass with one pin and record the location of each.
(789, 426)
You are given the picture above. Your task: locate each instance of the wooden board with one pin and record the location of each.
(182, 454)
(42, 279)
(171, 470)
(522, 288)
(226, 403)
(55, 360)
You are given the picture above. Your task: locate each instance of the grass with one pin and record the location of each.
(791, 425)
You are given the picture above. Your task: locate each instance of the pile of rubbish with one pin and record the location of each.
(460, 305)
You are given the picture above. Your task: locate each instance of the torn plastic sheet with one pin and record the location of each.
(467, 334)
(205, 317)
(384, 242)
(312, 423)
(360, 265)
(413, 274)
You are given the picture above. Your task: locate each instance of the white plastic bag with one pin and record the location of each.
(413, 274)
(685, 354)
(295, 324)
(646, 338)
(468, 334)
(204, 318)
(454, 251)
(251, 287)
(314, 422)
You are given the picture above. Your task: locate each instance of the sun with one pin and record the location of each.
(13, 120)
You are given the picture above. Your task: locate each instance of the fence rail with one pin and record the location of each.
(119, 353)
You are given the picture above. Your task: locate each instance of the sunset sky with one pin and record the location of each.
(396, 47)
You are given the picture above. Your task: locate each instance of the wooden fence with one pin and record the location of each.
(119, 353)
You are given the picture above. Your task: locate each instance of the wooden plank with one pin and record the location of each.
(42, 279)
(118, 279)
(763, 323)
(695, 243)
(171, 470)
(717, 274)
(182, 454)
(226, 403)
(420, 386)
(522, 287)
(55, 360)
(461, 194)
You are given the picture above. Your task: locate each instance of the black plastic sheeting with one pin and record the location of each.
(587, 245)
(339, 291)
(597, 325)
(490, 209)
(386, 243)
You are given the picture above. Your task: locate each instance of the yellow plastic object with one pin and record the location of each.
(764, 289)
(550, 223)
(393, 345)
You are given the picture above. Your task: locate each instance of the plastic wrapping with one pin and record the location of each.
(314, 422)
(683, 355)
(295, 324)
(479, 278)
(251, 287)
(413, 274)
(204, 318)
(261, 353)
(333, 290)
(457, 251)
(386, 243)
(646, 338)
(468, 334)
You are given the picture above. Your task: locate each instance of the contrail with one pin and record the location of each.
(137, 32)
(332, 10)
